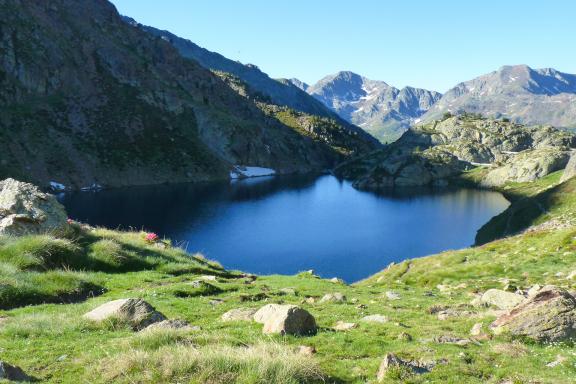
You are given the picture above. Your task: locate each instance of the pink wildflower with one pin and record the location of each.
(151, 237)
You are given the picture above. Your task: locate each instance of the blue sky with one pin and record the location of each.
(428, 44)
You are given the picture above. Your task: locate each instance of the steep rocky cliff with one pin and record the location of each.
(86, 98)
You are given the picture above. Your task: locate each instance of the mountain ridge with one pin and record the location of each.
(379, 108)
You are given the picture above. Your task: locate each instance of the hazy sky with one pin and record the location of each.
(426, 43)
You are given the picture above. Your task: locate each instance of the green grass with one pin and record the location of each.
(54, 343)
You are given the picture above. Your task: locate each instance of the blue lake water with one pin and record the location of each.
(293, 223)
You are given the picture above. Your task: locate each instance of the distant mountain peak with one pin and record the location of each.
(518, 92)
(380, 109)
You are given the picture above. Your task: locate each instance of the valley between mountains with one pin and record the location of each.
(91, 99)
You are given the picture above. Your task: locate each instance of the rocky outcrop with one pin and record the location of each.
(138, 313)
(435, 153)
(501, 299)
(528, 166)
(550, 315)
(24, 209)
(285, 320)
(392, 361)
(570, 170)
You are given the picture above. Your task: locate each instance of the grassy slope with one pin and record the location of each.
(53, 342)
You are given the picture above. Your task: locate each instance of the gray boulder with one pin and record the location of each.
(137, 312)
(570, 170)
(391, 361)
(336, 297)
(172, 324)
(501, 299)
(285, 320)
(239, 314)
(24, 209)
(550, 315)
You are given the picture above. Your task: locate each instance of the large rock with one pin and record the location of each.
(550, 315)
(24, 209)
(528, 166)
(570, 170)
(137, 312)
(501, 299)
(285, 319)
(239, 314)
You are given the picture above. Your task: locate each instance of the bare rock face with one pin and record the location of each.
(12, 373)
(137, 312)
(528, 166)
(285, 319)
(501, 299)
(550, 315)
(570, 170)
(24, 209)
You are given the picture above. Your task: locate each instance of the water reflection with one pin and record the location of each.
(289, 224)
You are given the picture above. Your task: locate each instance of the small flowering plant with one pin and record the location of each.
(151, 237)
(70, 221)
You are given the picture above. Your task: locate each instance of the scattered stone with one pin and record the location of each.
(391, 295)
(306, 350)
(208, 278)
(336, 280)
(501, 299)
(375, 319)
(287, 291)
(239, 314)
(361, 306)
(137, 312)
(62, 358)
(571, 275)
(256, 297)
(392, 361)
(285, 319)
(443, 288)
(215, 302)
(336, 297)
(404, 336)
(451, 313)
(550, 315)
(476, 329)
(533, 290)
(310, 300)
(570, 170)
(559, 360)
(12, 372)
(448, 339)
(436, 308)
(172, 324)
(342, 326)
(25, 209)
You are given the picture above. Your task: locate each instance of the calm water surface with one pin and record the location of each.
(294, 223)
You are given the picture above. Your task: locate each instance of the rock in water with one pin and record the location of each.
(501, 299)
(12, 373)
(285, 319)
(550, 315)
(137, 312)
(24, 209)
(570, 170)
